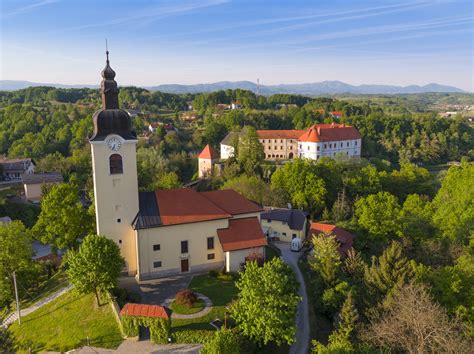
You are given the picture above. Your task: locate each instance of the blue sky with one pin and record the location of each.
(197, 41)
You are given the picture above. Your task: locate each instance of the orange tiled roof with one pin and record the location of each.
(241, 234)
(232, 202)
(279, 134)
(336, 113)
(145, 311)
(345, 238)
(310, 136)
(183, 205)
(208, 153)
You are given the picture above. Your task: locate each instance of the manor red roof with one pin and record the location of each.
(208, 153)
(310, 136)
(279, 134)
(145, 311)
(242, 234)
(330, 132)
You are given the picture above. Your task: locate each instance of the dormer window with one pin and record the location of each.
(115, 164)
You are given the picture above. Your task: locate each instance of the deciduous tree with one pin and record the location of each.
(96, 267)
(266, 306)
(63, 219)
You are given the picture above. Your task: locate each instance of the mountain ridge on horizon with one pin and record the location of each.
(308, 89)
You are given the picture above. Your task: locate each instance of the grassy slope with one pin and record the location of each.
(66, 323)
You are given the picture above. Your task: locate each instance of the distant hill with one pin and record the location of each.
(309, 89)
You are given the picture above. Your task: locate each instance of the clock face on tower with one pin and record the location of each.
(114, 143)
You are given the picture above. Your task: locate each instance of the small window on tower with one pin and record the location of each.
(119, 221)
(115, 164)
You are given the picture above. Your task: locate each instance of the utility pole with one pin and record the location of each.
(16, 296)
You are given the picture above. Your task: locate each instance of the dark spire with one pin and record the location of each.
(109, 89)
(110, 119)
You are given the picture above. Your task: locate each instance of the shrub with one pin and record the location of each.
(224, 341)
(160, 328)
(192, 336)
(186, 297)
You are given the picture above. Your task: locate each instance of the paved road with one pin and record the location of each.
(156, 291)
(302, 317)
(129, 346)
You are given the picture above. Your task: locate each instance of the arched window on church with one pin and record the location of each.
(115, 164)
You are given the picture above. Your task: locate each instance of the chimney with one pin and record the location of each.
(319, 130)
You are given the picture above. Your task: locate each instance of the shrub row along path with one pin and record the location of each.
(14, 316)
(207, 308)
(302, 317)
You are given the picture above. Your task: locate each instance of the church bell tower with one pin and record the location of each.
(114, 169)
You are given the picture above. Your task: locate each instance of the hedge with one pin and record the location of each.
(160, 328)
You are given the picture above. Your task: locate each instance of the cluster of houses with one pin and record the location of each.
(23, 170)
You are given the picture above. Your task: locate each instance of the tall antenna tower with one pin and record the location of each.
(258, 86)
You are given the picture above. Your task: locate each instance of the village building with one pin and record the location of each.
(14, 169)
(206, 161)
(344, 238)
(321, 140)
(165, 232)
(284, 224)
(33, 183)
(5, 220)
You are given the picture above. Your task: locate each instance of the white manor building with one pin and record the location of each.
(321, 140)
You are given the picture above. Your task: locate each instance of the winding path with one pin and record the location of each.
(302, 318)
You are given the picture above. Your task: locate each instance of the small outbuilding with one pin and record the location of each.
(344, 238)
(33, 183)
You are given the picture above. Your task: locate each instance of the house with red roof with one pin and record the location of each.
(181, 230)
(320, 140)
(344, 238)
(206, 161)
(336, 114)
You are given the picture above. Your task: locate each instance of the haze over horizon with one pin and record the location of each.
(202, 41)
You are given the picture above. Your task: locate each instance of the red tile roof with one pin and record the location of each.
(242, 234)
(345, 238)
(183, 205)
(208, 153)
(145, 311)
(310, 136)
(336, 113)
(232, 202)
(279, 134)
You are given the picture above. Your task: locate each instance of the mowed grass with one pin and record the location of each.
(188, 310)
(221, 294)
(66, 323)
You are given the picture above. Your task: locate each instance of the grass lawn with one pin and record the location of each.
(185, 310)
(48, 286)
(66, 323)
(221, 293)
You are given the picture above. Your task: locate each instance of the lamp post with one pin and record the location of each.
(16, 297)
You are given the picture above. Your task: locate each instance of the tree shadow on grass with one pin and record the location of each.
(54, 310)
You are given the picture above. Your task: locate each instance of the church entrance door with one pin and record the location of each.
(184, 265)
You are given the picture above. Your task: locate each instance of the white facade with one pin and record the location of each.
(333, 149)
(227, 151)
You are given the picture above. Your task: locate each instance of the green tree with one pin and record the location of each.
(266, 306)
(305, 189)
(340, 341)
(15, 255)
(63, 219)
(416, 218)
(250, 150)
(388, 272)
(454, 209)
(378, 214)
(7, 342)
(95, 268)
(223, 341)
(325, 258)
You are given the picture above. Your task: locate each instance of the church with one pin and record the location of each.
(165, 232)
